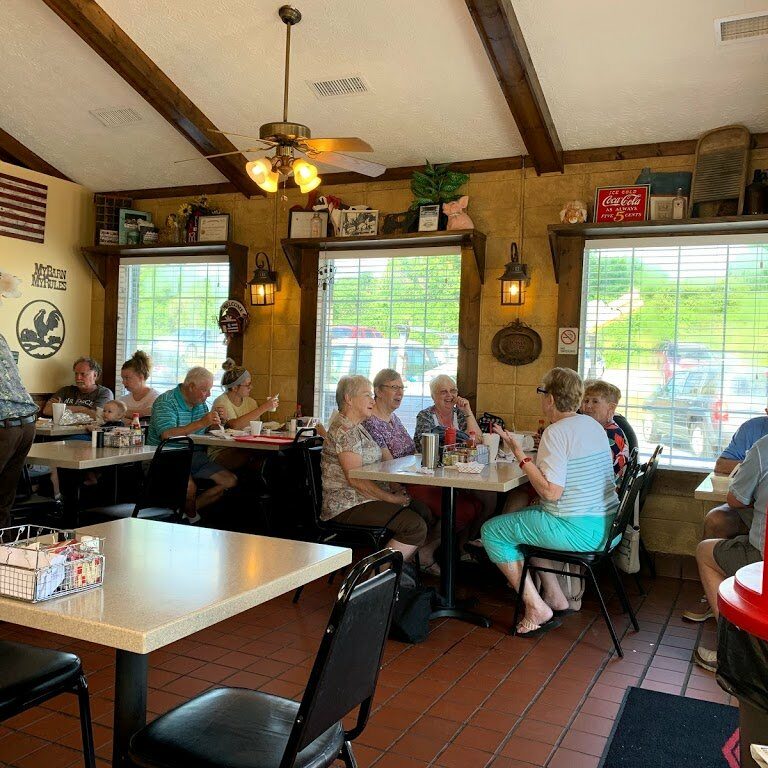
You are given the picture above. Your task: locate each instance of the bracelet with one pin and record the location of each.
(525, 461)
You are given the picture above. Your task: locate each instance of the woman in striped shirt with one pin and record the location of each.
(573, 477)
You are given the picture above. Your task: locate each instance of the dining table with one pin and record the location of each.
(47, 430)
(164, 582)
(272, 443)
(499, 476)
(713, 488)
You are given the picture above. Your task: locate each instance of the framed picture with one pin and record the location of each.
(132, 218)
(308, 224)
(662, 207)
(622, 203)
(214, 227)
(429, 217)
(355, 223)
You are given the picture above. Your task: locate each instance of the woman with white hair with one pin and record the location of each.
(351, 501)
(449, 410)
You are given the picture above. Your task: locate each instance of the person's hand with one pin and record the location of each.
(58, 400)
(211, 419)
(510, 442)
(463, 405)
(272, 402)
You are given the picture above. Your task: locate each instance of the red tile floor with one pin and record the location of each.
(465, 698)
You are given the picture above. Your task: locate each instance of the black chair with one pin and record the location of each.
(627, 429)
(590, 560)
(629, 470)
(163, 494)
(30, 675)
(649, 471)
(242, 728)
(30, 506)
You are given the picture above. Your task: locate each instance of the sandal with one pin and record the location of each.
(564, 612)
(433, 569)
(536, 630)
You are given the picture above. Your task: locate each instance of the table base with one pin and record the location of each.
(130, 702)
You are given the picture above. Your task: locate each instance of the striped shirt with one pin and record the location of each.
(574, 453)
(171, 410)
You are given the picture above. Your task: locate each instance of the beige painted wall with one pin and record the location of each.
(68, 225)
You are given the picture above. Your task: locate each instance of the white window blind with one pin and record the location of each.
(679, 325)
(388, 309)
(170, 310)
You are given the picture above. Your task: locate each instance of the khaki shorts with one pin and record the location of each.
(735, 553)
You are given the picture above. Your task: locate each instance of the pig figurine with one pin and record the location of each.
(457, 219)
(9, 286)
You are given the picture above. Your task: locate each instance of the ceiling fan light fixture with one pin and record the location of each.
(260, 169)
(310, 185)
(303, 171)
(271, 182)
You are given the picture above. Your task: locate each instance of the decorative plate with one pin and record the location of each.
(516, 344)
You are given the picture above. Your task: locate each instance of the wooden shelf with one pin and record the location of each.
(724, 225)
(466, 238)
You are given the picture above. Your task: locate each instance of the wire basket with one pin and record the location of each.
(38, 563)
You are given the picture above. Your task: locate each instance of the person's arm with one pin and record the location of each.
(725, 466)
(743, 486)
(349, 461)
(463, 405)
(241, 422)
(734, 452)
(92, 412)
(47, 410)
(164, 417)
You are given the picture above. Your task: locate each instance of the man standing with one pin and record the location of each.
(182, 411)
(17, 430)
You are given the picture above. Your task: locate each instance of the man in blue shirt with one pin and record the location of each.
(182, 411)
(17, 430)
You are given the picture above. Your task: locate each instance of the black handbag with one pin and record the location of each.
(410, 618)
(487, 420)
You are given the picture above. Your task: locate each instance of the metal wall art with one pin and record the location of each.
(516, 344)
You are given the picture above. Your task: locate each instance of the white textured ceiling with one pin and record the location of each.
(612, 73)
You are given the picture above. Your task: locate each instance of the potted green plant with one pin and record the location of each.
(435, 185)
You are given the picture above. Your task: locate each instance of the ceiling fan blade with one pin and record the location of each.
(221, 154)
(341, 144)
(349, 163)
(243, 136)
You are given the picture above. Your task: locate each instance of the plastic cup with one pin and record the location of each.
(525, 441)
(256, 427)
(292, 424)
(492, 441)
(58, 411)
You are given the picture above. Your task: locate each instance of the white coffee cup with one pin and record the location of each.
(492, 441)
(525, 441)
(57, 410)
(256, 427)
(292, 424)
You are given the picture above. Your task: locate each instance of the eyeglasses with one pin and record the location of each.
(453, 392)
(394, 387)
(541, 391)
(369, 395)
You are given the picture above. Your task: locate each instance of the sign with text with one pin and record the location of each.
(48, 276)
(567, 341)
(622, 203)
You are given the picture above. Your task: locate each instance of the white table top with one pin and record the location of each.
(163, 582)
(219, 442)
(79, 454)
(709, 491)
(49, 429)
(494, 477)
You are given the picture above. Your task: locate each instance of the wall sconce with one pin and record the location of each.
(263, 284)
(514, 281)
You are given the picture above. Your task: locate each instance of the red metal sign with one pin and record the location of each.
(622, 203)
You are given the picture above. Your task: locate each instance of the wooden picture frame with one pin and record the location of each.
(429, 218)
(354, 223)
(661, 207)
(128, 214)
(213, 227)
(300, 224)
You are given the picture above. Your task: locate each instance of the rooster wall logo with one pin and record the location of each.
(40, 329)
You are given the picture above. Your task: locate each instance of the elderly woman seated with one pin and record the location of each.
(573, 476)
(351, 501)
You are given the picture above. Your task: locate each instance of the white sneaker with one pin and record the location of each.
(698, 616)
(705, 658)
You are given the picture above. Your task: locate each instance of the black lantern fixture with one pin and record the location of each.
(514, 281)
(263, 284)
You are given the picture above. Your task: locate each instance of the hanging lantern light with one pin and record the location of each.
(263, 284)
(514, 281)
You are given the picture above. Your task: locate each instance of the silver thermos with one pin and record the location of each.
(430, 450)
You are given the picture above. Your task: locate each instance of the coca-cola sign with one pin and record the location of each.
(622, 203)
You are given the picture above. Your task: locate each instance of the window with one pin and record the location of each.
(679, 325)
(388, 309)
(170, 310)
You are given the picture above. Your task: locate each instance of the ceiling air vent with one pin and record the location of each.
(739, 28)
(353, 85)
(116, 117)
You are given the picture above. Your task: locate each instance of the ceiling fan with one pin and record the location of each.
(292, 139)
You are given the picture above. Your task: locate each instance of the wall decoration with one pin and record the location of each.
(233, 318)
(107, 219)
(354, 223)
(398, 223)
(211, 228)
(48, 276)
(429, 218)
(574, 212)
(9, 286)
(129, 220)
(516, 344)
(457, 214)
(308, 224)
(23, 206)
(662, 207)
(622, 203)
(40, 329)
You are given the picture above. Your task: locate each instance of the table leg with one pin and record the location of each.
(448, 607)
(130, 701)
(69, 487)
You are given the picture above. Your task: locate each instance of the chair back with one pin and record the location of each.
(312, 451)
(346, 669)
(629, 468)
(165, 486)
(649, 470)
(627, 429)
(625, 510)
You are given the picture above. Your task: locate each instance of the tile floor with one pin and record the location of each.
(466, 698)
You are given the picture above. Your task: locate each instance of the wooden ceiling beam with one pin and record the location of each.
(90, 22)
(505, 46)
(13, 151)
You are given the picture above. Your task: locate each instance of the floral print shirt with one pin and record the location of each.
(619, 448)
(343, 435)
(391, 434)
(15, 401)
(427, 419)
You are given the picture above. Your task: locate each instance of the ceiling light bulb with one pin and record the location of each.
(310, 185)
(259, 170)
(270, 182)
(304, 172)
